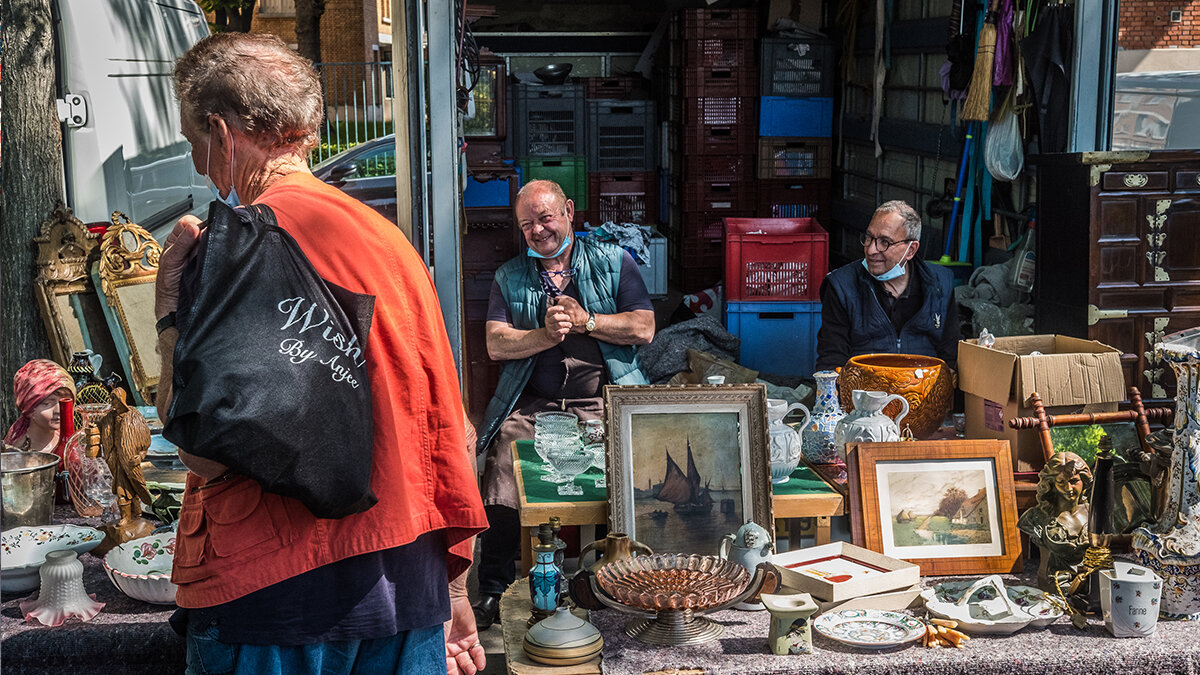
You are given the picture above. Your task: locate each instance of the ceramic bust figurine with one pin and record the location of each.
(38, 386)
(1058, 525)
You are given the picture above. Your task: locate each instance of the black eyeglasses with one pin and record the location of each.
(881, 243)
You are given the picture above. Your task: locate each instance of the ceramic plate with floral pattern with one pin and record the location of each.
(24, 549)
(869, 628)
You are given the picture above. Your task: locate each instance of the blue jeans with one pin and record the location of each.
(417, 651)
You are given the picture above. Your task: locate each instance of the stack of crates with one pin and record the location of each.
(622, 152)
(773, 273)
(549, 136)
(795, 124)
(710, 135)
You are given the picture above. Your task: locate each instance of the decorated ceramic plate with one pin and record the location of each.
(24, 549)
(869, 628)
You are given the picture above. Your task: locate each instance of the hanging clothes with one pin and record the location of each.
(1048, 53)
(1003, 66)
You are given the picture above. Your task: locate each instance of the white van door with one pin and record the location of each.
(126, 152)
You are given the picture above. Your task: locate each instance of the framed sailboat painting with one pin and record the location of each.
(687, 465)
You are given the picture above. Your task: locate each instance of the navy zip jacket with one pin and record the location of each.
(854, 321)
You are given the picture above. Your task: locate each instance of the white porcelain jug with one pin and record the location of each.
(867, 421)
(785, 441)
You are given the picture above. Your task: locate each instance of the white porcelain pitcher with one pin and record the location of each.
(867, 421)
(785, 441)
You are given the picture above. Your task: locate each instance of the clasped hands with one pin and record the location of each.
(565, 316)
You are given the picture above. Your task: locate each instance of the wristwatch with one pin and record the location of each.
(591, 323)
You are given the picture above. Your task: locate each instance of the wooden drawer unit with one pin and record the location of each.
(1119, 253)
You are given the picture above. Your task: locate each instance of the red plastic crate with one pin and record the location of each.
(619, 88)
(781, 259)
(737, 24)
(714, 81)
(727, 168)
(708, 195)
(719, 126)
(794, 199)
(718, 53)
(707, 224)
(624, 197)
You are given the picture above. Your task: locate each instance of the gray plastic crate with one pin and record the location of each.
(548, 120)
(796, 67)
(621, 135)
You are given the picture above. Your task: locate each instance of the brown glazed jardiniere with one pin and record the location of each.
(926, 382)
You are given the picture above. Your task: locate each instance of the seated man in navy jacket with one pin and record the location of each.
(890, 301)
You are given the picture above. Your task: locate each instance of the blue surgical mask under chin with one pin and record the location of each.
(896, 272)
(534, 254)
(232, 200)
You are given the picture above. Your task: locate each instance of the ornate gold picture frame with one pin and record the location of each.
(127, 271)
(62, 287)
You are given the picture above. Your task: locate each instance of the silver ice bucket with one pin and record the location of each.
(27, 479)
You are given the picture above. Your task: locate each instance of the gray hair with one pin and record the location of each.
(912, 220)
(257, 84)
(541, 185)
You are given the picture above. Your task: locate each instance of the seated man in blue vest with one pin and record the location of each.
(565, 319)
(891, 301)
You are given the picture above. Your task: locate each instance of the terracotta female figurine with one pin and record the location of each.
(38, 386)
(1058, 524)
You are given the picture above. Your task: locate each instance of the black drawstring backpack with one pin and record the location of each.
(270, 370)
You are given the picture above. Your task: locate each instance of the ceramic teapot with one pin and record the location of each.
(867, 421)
(616, 546)
(785, 441)
(749, 547)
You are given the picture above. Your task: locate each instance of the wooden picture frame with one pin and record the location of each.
(126, 273)
(687, 465)
(916, 484)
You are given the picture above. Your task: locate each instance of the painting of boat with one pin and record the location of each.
(684, 490)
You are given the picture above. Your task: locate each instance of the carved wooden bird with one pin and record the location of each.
(126, 438)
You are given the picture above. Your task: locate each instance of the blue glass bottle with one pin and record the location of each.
(545, 577)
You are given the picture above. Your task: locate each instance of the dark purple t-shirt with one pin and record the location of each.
(575, 368)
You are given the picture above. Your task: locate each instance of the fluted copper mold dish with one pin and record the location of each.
(673, 581)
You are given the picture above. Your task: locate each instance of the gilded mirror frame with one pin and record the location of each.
(64, 247)
(127, 271)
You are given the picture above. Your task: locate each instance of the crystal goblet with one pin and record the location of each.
(570, 462)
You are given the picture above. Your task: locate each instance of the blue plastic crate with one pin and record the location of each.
(786, 116)
(495, 192)
(777, 337)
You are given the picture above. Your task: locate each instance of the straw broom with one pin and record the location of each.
(979, 95)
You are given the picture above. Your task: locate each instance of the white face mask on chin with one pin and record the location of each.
(897, 271)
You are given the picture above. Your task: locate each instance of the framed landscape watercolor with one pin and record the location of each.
(687, 464)
(948, 506)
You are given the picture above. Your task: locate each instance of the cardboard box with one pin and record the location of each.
(843, 571)
(1070, 375)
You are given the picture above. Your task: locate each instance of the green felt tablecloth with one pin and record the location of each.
(537, 491)
(803, 481)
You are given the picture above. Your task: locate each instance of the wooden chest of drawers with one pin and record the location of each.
(1118, 255)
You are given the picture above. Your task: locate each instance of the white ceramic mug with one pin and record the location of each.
(1129, 599)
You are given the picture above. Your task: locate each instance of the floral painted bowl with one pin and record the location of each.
(24, 549)
(142, 568)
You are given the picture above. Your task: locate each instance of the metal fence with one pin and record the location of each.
(358, 104)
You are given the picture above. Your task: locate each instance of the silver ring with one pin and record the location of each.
(477, 644)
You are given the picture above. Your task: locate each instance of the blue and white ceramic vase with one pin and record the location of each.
(1171, 546)
(545, 579)
(819, 447)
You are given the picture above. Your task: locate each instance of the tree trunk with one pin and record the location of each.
(244, 15)
(308, 28)
(31, 163)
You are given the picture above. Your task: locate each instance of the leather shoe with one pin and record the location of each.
(487, 612)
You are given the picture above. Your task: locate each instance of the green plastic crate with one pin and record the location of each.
(569, 172)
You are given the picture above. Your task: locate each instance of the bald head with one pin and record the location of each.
(535, 189)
